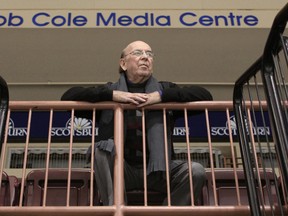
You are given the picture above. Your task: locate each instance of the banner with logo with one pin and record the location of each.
(61, 127)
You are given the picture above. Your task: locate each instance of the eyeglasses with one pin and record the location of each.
(139, 53)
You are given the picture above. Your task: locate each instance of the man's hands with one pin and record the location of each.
(152, 98)
(138, 99)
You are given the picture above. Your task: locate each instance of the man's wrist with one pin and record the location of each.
(160, 94)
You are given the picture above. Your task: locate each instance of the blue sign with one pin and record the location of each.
(61, 126)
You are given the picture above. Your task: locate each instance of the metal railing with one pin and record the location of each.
(224, 192)
(4, 96)
(265, 80)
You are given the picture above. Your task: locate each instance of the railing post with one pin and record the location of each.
(119, 160)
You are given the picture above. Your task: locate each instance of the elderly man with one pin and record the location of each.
(137, 86)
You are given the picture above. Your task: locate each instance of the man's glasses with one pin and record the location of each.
(139, 53)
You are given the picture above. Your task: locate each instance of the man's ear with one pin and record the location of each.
(122, 64)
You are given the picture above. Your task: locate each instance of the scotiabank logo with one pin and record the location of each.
(224, 131)
(81, 127)
(80, 124)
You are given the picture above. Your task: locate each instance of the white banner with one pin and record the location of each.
(136, 18)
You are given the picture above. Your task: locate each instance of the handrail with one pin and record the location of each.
(273, 41)
(65, 105)
(267, 65)
(248, 74)
(274, 45)
(4, 101)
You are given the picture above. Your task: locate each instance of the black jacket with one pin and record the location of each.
(171, 93)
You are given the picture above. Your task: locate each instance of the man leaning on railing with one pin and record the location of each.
(137, 86)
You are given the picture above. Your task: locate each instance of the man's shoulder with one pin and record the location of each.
(167, 84)
(111, 85)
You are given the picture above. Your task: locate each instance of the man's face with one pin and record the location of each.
(137, 61)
